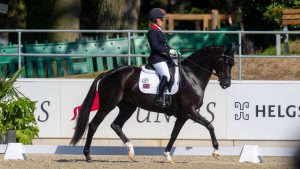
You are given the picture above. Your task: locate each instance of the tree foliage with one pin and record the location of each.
(17, 14)
(273, 13)
(16, 17)
(265, 15)
(132, 14)
(38, 17)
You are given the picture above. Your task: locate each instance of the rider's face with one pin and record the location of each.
(160, 22)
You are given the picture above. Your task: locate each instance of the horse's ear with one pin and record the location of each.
(234, 47)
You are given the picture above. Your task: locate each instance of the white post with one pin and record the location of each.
(278, 45)
(129, 46)
(240, 57)
(19, 48)
(286, 40)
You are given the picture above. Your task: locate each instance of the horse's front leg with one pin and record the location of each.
(201, 120)
(177, 127)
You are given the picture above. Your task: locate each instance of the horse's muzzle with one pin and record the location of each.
(224, 83)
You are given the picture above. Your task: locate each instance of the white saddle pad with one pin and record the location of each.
(149, 82)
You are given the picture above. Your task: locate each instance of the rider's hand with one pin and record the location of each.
(173, 53)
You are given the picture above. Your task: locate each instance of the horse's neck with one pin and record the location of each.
(201, 70)
(196, 75)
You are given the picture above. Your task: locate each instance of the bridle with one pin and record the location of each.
(224, 59)
(221, 59)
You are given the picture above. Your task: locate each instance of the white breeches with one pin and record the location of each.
(162, 69)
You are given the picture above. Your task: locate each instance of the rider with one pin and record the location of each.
(160, 51)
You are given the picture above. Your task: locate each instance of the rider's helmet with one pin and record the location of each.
(156, 13)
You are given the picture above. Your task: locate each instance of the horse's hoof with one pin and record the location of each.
(130, 151)
(171, 161)
(88, 160)
(131, 156)
(168, 157)
(216, 155)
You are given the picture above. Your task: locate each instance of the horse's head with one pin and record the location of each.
(223, 67)
(218, 58)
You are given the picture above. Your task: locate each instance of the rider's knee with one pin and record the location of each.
(168, 77)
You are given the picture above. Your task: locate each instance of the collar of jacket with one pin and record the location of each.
(155, 27)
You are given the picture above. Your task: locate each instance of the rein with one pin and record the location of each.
(197, 65)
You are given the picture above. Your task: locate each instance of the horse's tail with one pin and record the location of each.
(84, 112)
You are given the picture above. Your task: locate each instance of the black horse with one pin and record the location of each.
(119, 87)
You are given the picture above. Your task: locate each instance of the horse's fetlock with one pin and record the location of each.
(86, 152)
(216, 145)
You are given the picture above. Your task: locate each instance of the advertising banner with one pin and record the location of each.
(247, 110)
(263, 111)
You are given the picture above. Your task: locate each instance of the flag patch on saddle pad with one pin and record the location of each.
(146, 86)
(149, 81)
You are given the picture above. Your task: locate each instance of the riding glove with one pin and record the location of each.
(173, 53)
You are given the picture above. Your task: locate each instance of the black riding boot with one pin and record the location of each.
(161, 88)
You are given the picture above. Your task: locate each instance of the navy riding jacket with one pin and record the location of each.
(159, 47)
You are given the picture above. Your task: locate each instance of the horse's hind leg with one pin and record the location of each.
(93, 125)
(125, 113)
